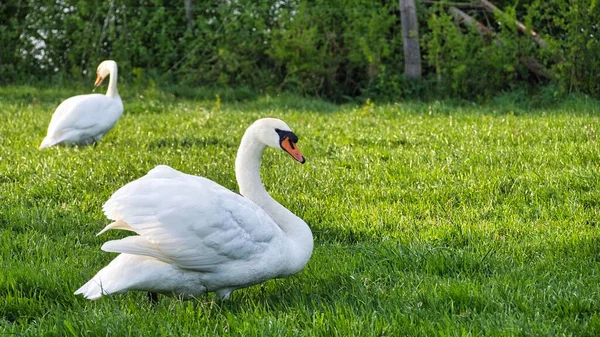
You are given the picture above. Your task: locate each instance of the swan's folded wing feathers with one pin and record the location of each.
(215, 237)
(81, 112)
(136, 245)
(195, 223)
(116, 225)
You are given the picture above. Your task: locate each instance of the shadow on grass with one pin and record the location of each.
(141, 100)
(158, 100)
(349, 236)
(186, 142)
(154, 100)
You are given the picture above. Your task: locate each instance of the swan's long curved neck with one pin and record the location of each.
(112, 82)
(247, 172)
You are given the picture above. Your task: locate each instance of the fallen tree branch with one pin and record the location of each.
(465, 5)
(469, 21)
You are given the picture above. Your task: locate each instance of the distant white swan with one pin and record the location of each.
(84, 119)
(196, 236)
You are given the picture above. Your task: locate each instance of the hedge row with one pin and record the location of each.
(331, 48)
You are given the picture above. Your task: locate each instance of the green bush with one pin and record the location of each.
(336, 47)
(578, 43)
(466, 63)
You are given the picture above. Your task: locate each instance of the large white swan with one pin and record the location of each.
(196, 236)
(84, 119)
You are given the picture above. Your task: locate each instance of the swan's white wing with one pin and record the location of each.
(189, 221)
(91, 114)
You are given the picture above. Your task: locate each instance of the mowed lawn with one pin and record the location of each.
(429, 218)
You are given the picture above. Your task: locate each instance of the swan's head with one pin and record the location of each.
(104, 69)
(275, 133)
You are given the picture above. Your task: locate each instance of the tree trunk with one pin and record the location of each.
(410, 38)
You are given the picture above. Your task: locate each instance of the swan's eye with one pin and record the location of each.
(286, 134)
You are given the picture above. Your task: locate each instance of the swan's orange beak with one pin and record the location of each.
(291, 148)
(99, 80)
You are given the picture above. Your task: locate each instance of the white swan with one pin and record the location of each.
(196, 236)
(84, 119)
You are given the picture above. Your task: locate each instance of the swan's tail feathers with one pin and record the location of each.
(47, 142)
(92, 290)
(111, 279)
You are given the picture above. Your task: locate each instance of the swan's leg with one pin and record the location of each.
(153, 298)
(96, 139)
(224, 294)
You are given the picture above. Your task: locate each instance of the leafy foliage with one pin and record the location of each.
(467, 64)
(336, 49)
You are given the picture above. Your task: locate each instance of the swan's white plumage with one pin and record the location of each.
(85, 119)
(189, 221)
(194, 236)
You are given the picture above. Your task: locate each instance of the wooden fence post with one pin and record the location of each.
(410, 39)
(189, 17)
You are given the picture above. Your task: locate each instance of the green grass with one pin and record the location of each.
(429, 218)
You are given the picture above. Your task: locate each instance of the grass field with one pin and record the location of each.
(429, 218)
